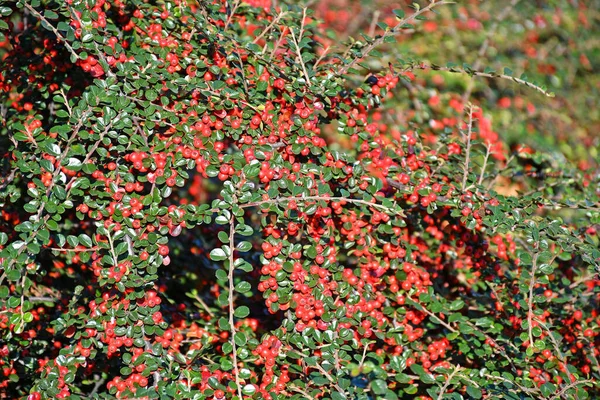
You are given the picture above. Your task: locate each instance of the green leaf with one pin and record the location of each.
(548, 389)
(311, 361)
(227, 348)
(49, 14)
(73, 241)
(151, 95)
(338, 396)
(244, 230)
(243, 287)
(222, 220)
(241, 312)
(13, 275)
(249, 390)
(379, 386)
(399, 13)
(474, 392)
(52, 225)
(85, 240)
(240, 338)
(221, 275)
(223, 237)
(218, 255)
(456, 305)
(5, 11)
(244, 246)
(417, 369)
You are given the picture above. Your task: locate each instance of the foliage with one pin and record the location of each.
(222, 200)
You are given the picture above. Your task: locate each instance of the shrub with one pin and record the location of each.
(215, 201)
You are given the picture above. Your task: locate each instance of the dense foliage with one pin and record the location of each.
(236, 200)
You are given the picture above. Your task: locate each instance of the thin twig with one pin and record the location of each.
(64, 95)
(299, 390)
(231, 12)
(364, 355)
(555, 343)
(495, 178)
(373, 25)
(230, 299)
(8, 179)
(392, 32)
(113, 253)
(534, 267)
(324, 372)
(569, 386)
(468, 148)
(480, 74)
(513, 382)
(321, 57)
(43, 299)
(583, 279)
(277, 44)
(484, 46)
(488, 150)
(270, 26)
(97, 385)
(448, 382)
(426, 311)
(298, 50)
(73, 250)
(324, 198)
(204, 305)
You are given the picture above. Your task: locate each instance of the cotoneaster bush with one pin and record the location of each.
(222, 200)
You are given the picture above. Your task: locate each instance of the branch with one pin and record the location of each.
(583, 279)
(113, 253)
(555, 343)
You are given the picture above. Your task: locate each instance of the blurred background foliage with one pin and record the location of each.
(554, 43)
